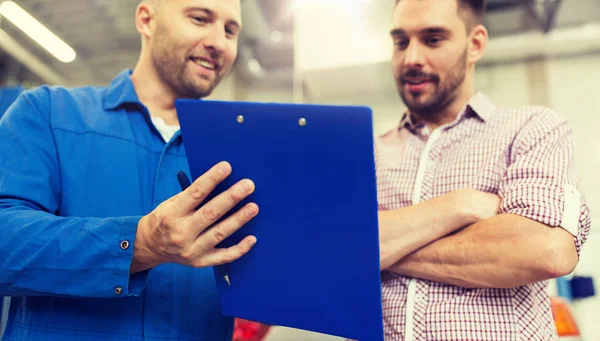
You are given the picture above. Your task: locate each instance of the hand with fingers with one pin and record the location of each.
(177, 231)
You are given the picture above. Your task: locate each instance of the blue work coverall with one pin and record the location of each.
(79, 168)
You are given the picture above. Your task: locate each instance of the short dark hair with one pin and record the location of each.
(477, 9)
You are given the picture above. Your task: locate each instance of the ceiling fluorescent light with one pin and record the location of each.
(43, 36)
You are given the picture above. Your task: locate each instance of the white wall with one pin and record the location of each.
(574, 92)
(277, 95)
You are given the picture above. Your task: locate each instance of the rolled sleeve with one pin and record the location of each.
(541, 183)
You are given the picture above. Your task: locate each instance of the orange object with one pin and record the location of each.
(563, 317)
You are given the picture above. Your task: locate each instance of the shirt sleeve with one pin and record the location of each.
(42, 253)
(541, 183)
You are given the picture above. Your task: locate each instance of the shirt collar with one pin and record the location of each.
(405, 120)
(120, 91)
(482, 106)
(479, 105)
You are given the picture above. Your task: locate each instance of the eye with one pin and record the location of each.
(401, 43)
(433, 40)
(231, 31)
(200, 20)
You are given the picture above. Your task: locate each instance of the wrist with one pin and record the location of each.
(466, 207)
(143, 256)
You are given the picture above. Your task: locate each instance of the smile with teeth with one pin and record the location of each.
(205, 64)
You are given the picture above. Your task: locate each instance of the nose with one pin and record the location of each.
(216, 39)
(413, 55)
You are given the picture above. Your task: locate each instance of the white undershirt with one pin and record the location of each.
(165, 130)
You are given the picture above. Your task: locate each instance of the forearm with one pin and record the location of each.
(405, 230)
(42, 254)
(501, 252)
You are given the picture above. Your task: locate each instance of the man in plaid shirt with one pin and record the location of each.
(479, 205)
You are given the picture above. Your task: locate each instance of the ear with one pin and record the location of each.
(144, 19)
(477, 43)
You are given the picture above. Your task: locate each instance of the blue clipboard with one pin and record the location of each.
(315, 266)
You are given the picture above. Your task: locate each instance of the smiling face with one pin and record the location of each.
(433, 54)
(193, 43)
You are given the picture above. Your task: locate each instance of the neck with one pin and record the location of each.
(154, 93)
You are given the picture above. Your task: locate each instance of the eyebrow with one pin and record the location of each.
(429, 30)
(212, 14)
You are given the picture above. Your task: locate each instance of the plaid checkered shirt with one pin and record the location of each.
(525, 156)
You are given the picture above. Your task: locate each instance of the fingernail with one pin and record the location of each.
(224, 168)
(247, 185)
(251, 211)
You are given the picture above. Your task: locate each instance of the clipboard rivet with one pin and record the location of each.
(240, 119)
(302, 122)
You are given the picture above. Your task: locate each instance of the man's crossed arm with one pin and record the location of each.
(460, 239)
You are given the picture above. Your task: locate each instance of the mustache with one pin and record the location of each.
(416, 73)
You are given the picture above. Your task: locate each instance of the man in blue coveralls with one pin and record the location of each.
(97, 240)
